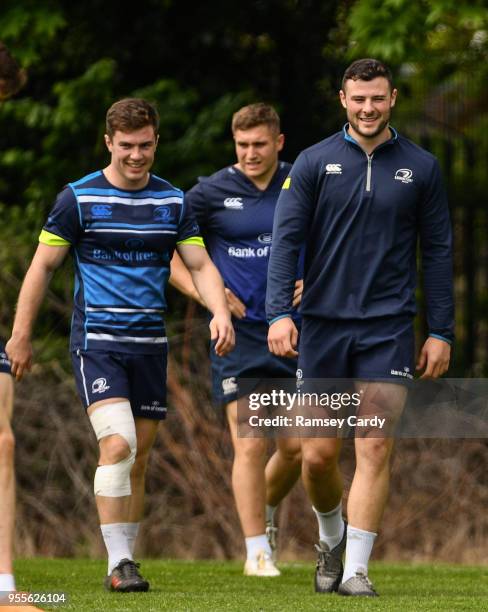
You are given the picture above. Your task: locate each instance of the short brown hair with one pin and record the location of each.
(367, 69)
(256, 114)
(131, 114)
(12, 76)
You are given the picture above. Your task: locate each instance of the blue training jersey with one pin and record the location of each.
(360, 217)
(122, 243)
(236, 220)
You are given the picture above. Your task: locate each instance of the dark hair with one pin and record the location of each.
(131, 114)
(256, 114)
(367, 69)
(12, 77)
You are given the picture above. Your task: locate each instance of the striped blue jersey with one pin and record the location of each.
(236, 219)
(122, 243)
(360, 217)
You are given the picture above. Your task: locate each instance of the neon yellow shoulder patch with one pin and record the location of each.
(196, 240)
(287, 183)
(52, 239)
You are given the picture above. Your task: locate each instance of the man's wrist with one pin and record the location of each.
(439, 337)
(21, 335)
(283, 316)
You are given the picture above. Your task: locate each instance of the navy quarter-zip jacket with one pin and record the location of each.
(360, 217)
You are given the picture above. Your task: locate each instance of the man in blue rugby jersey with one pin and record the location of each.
(360, 199)
(235, 208)
(122, 225)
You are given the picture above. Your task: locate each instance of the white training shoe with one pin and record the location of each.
(262, 565)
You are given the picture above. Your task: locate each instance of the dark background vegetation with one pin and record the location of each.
(199, 63)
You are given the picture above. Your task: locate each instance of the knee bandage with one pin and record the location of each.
(114, 480)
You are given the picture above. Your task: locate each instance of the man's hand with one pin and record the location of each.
(19, 352)
(283, 338)
(222, 331)
(434, 358)
(235, 305)
(297, 294)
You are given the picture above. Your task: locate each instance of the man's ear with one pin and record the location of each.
(342, 96)
(280, 141)
(393, 97)
(108, 142)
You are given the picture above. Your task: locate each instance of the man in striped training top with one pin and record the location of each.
(122, 225)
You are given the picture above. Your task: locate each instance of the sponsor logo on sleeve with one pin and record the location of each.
(287, 183)
(404, 175)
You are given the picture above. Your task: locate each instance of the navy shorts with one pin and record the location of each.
(4, 362)
(370, 349)
(139, 378)
(250, 359)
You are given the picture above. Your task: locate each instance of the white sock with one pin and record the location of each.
(358, 551)
(116, 543)
(270, 512)
(331, 526)
(257, 544)
(7, 582)
(131, 530)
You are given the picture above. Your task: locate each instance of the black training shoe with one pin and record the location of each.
(359, 584)
(329, 570)
(125, 578)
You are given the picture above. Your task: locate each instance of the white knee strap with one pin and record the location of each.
(117, 418)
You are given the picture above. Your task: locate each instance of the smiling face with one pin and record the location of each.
(368, 105)
(257, 153)
(132, 157)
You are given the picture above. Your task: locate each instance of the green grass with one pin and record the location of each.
(210, 585)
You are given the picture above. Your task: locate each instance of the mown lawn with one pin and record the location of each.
(211, 585)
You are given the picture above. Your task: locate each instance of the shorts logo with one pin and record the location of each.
(265, 238)
(405, 373)
(299, 374)
(234, 203)
(154, 406)
(162, 213)
(229, 385)
(100, 385)
(404, 175)
(333, 169)
(101, 210)
(4, 359)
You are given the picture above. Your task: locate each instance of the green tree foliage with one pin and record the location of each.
(197, 62)
(444, 36)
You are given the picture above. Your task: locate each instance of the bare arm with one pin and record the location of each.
(210, 286)
(181, 279)
(19, 348)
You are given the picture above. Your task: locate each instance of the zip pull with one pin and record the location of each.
(368, 174)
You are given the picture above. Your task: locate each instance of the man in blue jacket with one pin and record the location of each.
(234, 208)
(359, 200)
